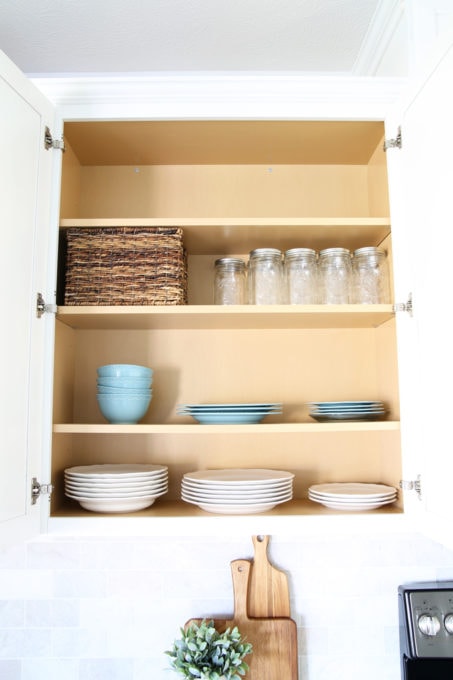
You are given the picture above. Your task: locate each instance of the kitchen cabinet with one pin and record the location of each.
(229, 205)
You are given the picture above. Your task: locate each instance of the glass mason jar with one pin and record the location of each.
(335, 276)
(370, 276)
(265, 276)
(301, 276)
(230, 281)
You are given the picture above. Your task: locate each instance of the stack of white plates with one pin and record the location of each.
(237, 491)
(116, 488)
(352, 495)
(215, 414)
(326, 411)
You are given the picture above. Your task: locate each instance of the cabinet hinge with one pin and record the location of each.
(412, 485)
(394, 143)
(43, 308)
(404, 306)
(38, 490)
(51, 143)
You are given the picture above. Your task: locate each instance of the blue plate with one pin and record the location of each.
(229, 418)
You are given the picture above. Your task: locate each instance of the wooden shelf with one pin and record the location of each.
(228, 317)
(196, 429)
(176, 518)
(204, 236)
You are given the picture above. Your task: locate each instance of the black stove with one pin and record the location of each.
(426, 630)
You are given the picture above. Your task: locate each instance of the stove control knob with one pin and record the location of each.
(448, 623)
(429, 625)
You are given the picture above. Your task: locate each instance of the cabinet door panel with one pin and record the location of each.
(25, 173)
(423, 231)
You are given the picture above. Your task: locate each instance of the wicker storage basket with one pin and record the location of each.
(125, 266)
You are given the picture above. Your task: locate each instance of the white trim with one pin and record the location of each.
(385, 23)
(220, 96)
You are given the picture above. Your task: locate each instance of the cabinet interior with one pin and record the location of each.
(232, 186)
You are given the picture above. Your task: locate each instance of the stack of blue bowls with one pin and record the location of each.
(124, 392)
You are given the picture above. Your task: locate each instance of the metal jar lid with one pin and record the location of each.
(265, 252)
(334, 251)
(300, 252)
(369, 251)
(233, 263)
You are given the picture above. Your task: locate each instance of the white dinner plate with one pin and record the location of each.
(115, 470)
(122, 505)
(120, 484)
(239, 509)
(353, 489)
(345, 505)
(116, 496)
(349, 499)
(252, 491)
(234, 500)
(115, 492)
(239, 476)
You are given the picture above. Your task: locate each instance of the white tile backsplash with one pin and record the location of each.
(107, 609)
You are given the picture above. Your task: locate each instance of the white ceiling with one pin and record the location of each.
(112, 36)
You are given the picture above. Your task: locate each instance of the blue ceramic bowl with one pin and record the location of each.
(127, 383)
(124, 410)
(124, 371)
(125, 391)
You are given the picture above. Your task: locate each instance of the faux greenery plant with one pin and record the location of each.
(203, 652)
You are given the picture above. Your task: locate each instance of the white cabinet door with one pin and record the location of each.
(421, 180)
(27, 257)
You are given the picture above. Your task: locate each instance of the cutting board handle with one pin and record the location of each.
(240, 570)
(260, 544)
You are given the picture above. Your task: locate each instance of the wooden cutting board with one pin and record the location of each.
(274, 640)
(268, 593)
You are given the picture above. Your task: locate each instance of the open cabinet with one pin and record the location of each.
(240, 187)
(232, 186)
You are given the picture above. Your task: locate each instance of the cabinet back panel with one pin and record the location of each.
(192, 366)
(223, 191)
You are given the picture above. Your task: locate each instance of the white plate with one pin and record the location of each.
(252, 492)
(123, 505)
(113, 497)
(350, 500)
(235, 509)
(358, 507)
(115, 492)
(115, 483)
(234, 500)
(239, 476)
(353, 489)
(337, 499)
(240, 486)
(116, 470)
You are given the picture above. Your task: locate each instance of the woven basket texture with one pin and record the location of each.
(125, 266)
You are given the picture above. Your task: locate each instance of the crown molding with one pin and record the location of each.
(219, 96)
(383, 27)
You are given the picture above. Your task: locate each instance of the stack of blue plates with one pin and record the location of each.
(215, 414)
(327, 411)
